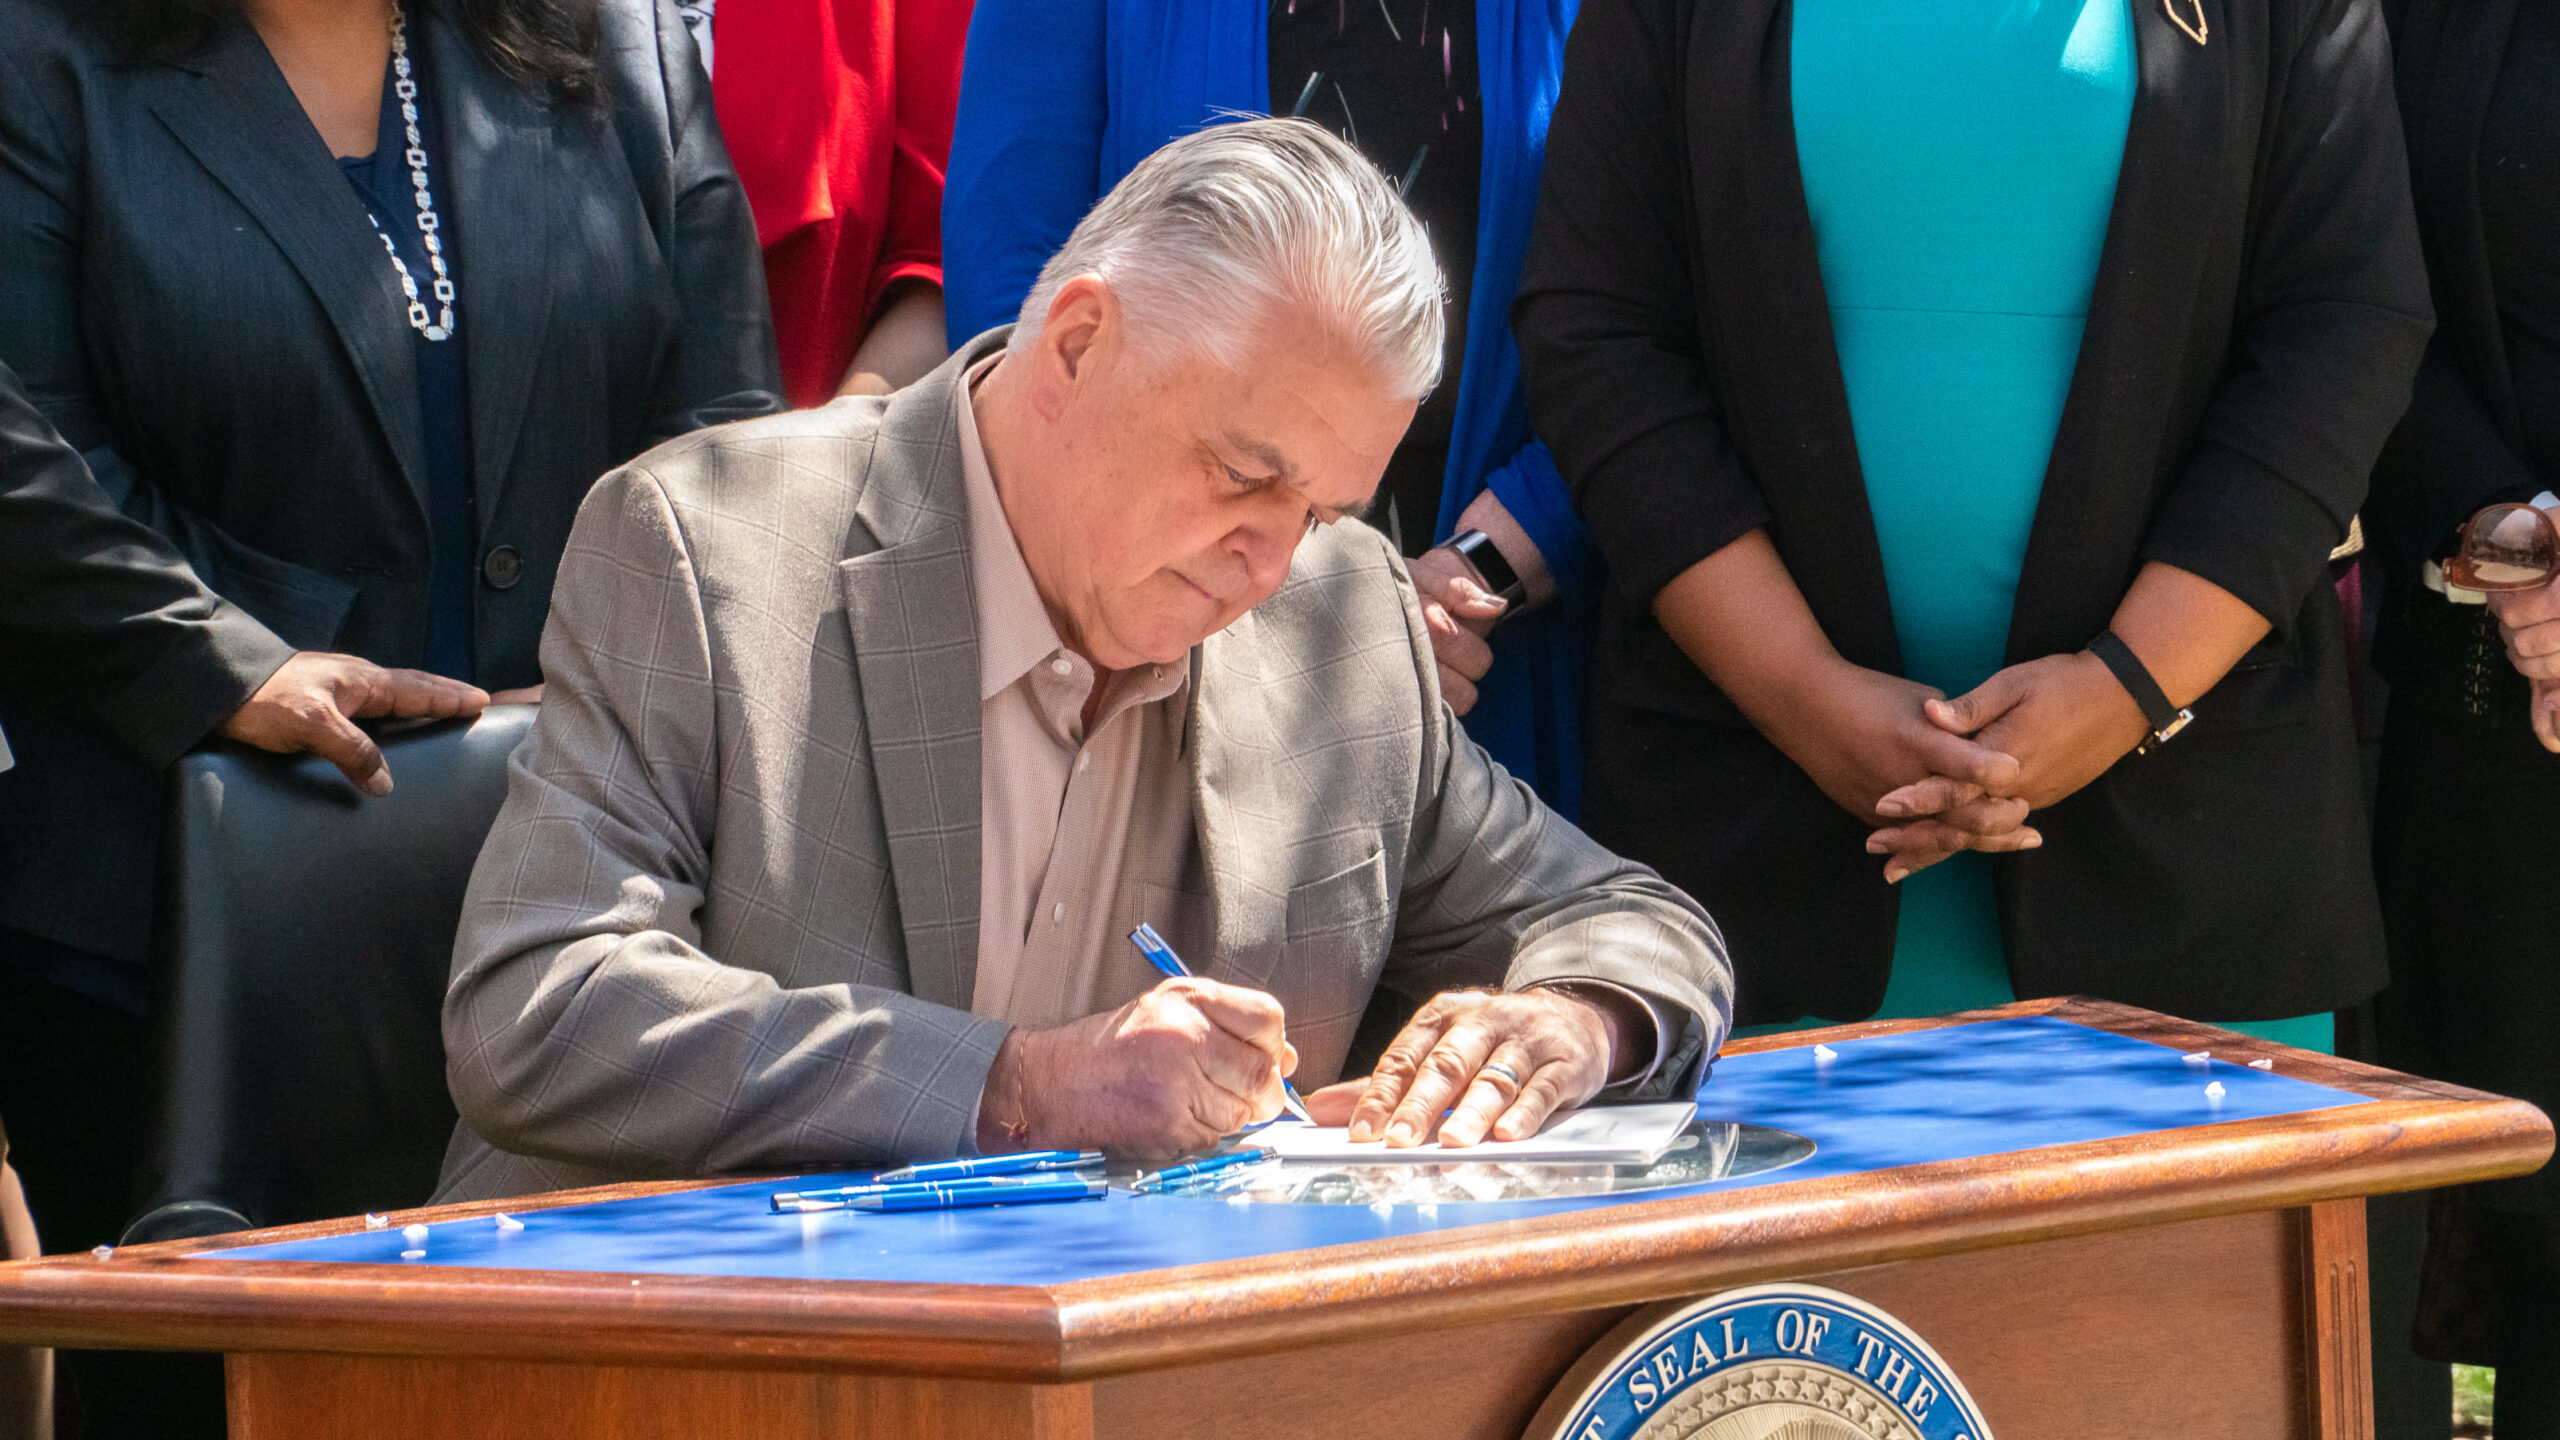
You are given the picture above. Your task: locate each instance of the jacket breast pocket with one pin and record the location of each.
(1347, 901)
(1337, 933)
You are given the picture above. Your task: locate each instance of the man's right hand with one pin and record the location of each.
(313, 702)
(1169, 1073)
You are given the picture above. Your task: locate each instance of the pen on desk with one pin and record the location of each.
(1161, 956)
(990, 1190)
(1004, 1190)
(984, 1165)
(1173, 1175)
(968, 1194)
(811, 1202)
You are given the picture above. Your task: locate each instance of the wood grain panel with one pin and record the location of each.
(338, 1397)
(2186, 1330)
(2419, 1134)
(1468, 1382)
(2337, 1324)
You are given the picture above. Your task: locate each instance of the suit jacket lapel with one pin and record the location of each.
(914, 627)
(2171, 195)
(1770, 321)
(497, 165)
(231, 108)
(1234, 764)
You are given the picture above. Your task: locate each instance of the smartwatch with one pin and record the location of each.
(1478, 550)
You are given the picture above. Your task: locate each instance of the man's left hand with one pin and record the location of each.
(1506, 1061)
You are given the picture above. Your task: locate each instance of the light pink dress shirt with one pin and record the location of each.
(1083, 833)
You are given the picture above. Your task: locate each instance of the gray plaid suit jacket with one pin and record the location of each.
(727, 920)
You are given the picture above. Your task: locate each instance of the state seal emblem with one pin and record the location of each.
(1769, 1362)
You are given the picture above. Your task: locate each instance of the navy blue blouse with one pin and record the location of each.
(444, 404)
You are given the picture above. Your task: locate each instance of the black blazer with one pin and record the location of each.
(2462, 444)
(194, 295)
(2258, 311)
(103, 612)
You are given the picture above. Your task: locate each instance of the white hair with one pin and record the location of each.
(1221, 232)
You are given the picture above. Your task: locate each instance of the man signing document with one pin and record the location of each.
(871, 732)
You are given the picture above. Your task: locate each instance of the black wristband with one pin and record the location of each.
(1485, 558)
(2165, 719)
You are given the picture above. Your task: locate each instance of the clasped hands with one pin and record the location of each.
(1194, 1060)
(1936, 775)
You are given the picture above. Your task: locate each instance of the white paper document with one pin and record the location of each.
(1602, 1135)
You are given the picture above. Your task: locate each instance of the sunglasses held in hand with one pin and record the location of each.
(2506, 547)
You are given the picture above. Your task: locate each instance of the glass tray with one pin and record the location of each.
(1707, 1150)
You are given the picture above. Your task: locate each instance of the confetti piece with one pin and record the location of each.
(377, 1222)
(2262, 1064)
(414, 1234)
(508, 1224)
(104, 1251)
(1825, 1052)
(413, 1254)
(2198, 1057)
(2215, 1091)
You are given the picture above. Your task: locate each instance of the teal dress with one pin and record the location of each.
(1960, 162)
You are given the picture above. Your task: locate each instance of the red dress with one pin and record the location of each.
(838, 118)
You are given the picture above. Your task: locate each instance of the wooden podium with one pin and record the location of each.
(2200, 1279)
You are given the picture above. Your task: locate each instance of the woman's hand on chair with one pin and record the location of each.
(314, 700)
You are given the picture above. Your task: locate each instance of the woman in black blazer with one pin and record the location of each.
(210, 214)
(201, 301)
(2256, 311)
(2467, 823)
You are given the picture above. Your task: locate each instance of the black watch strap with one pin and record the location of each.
(2165, 719)
(1478, 550)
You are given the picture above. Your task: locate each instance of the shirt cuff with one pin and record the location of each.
(1653, 1016)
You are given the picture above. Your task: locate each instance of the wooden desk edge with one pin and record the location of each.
(2419, 1134)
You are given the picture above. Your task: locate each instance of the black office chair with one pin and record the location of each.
(307, 932)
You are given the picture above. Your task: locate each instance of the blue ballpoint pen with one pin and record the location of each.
(995, 1190)
(1161, 956)
(967, 1194)
(984, 1165)
(1172, 1175)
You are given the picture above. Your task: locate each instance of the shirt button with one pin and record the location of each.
(1058, 913)
(1062, 665)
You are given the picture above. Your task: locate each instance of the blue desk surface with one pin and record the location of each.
(1885, 1101)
